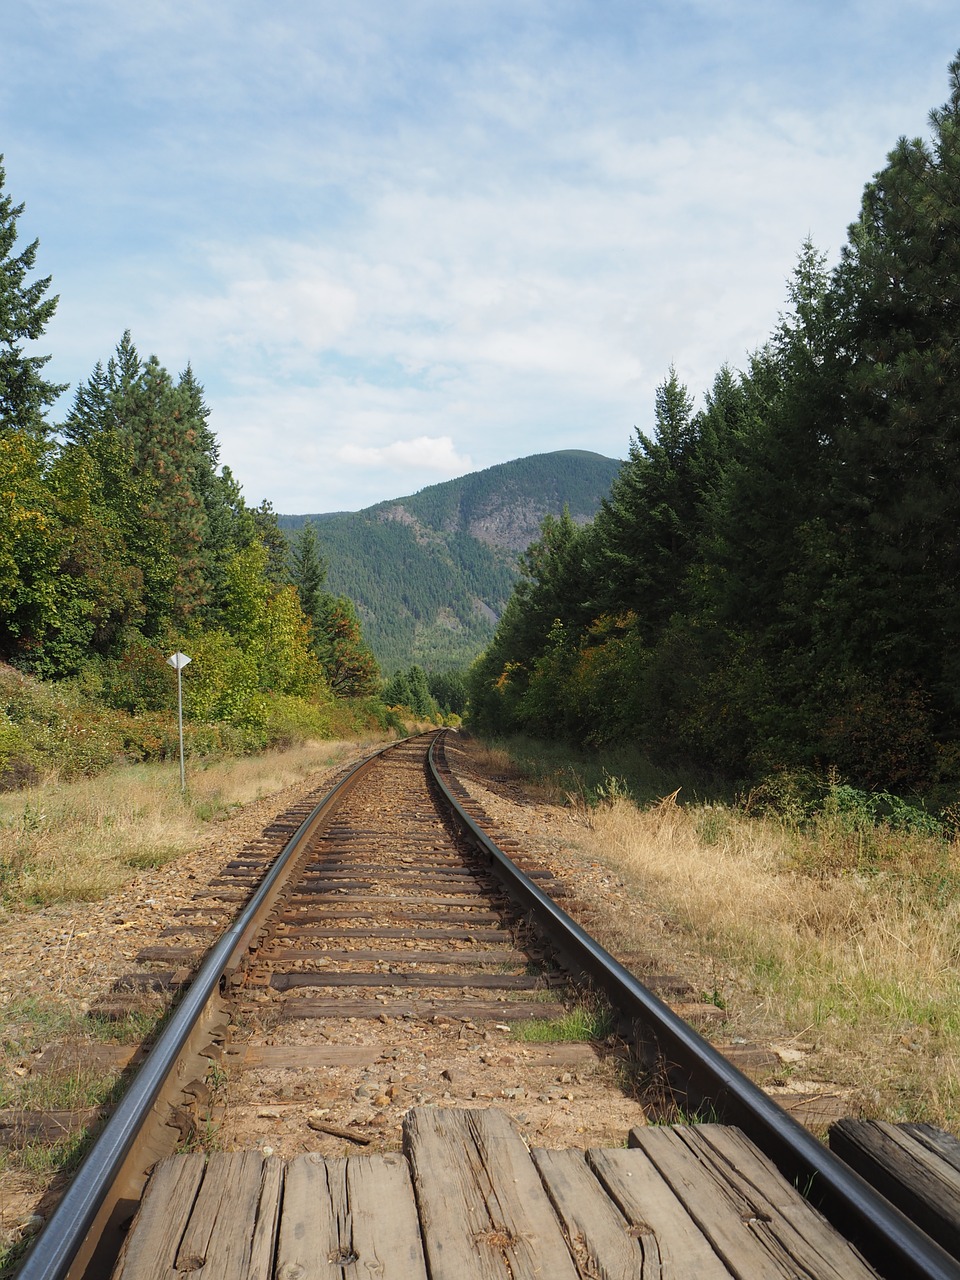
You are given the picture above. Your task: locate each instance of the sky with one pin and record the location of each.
(403, 240)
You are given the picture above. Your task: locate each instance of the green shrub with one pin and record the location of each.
(291, 719)
(139, 680)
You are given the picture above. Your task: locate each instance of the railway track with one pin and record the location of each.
(384, 960)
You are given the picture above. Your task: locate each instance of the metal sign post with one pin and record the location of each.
(178, 661)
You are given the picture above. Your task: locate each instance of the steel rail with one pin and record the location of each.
(894, 1245)
(67, 1230)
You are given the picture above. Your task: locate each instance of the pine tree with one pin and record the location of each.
(272, 536)
(896, 483)
(350, 668)
(308, 570)
(645, 529)
(24, 315)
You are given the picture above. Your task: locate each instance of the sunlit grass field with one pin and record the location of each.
(830, 927)
(83, 839)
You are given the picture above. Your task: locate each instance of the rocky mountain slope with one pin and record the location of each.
(431, 572)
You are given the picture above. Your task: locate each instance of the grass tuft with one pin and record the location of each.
(581, 1023)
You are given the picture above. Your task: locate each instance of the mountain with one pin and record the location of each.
(431, 573)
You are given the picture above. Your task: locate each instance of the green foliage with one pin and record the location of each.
(449, 691)
(126, 539)
(581, 1023)
(349, 666)
(410, 690)
(773, 583)
(223, 682)
(138, 679)
(308, 570)
(290, 719)
(24, 315)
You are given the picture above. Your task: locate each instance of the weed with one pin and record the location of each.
(611, 788)
(704, 1113)
(581, 1023)
(11, 1256)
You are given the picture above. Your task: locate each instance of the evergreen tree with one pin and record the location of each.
(173, 526)
(268, 532)
(24, 315)
(645, 530)
(449, 690)
(350, 668)
(90, 415)
(421, 703)
(895, 484)
(396, 692)
(308, 570)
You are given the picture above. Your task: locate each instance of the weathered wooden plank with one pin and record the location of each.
(940, 1143)
(388, 884)
(386, 1228)
(790, 1229)
(480, 981)
(754, 1059)
(664, 1226)
(599, 1237)
(150, 1249)
(432, 935)
(483, 1210)
(83, 1053)
(275, 954)
(917, 1167)
(165, 981)
(348, 875)
(168, 955)
(219, 1237)
(334, 911)
(309, 1232)
(20, 1127)
(726, 1213)
(300, 1056)
(505, 1011)
(347, 1219)
(264, 1243)
(460, 898)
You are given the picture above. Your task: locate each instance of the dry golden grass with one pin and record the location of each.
(861, 965)
(81, 840)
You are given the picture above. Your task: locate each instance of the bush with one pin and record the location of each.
(222, 683)
(290, 720)
(139, 680)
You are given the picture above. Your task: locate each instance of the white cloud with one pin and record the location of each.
(424, 453)
(396, 242)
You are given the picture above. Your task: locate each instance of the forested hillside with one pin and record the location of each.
(431, 573)
(774, 580)
(122, 539)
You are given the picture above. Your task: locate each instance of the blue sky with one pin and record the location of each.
(399, 241)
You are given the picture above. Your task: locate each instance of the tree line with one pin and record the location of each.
(774, 579)
(122, 537)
